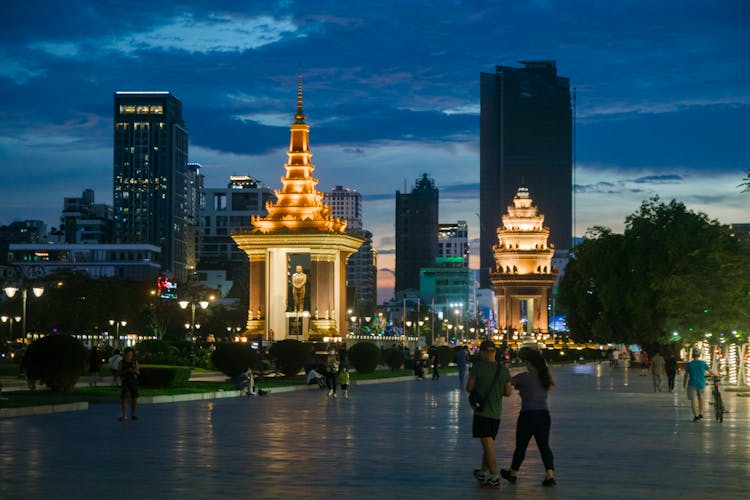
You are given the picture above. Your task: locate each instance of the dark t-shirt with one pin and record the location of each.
(483, 373)
(533, 393)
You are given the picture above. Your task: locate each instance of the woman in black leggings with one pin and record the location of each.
(534, 419)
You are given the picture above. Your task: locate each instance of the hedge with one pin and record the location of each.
(55, 360)
(233, 358)
(394, 358)
(163, 376)
(290, 356)
(364, 356)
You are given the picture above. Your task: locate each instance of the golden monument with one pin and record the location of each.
(524, 275)
(297, 234)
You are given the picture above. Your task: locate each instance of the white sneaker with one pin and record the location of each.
(330, 392)
(334, 395)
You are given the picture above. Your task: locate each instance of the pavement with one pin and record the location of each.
(611, 435)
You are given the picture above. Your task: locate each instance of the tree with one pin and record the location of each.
(746, 182)
(671, 270)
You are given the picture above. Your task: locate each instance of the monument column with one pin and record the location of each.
(257, 292)
(322, 286)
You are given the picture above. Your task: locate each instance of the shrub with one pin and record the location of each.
(290, 356)
(233, 358)
(152, 347)
(163, 376)
(445, 355)
(394, 358)
(56, 360)
(364, 356)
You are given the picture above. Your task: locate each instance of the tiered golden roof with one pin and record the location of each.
(523, 248)
(299, 206)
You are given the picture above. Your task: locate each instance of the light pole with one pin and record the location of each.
(117, 324)
(406, 331)
(11, 291)
(183, 304)
(10, 327)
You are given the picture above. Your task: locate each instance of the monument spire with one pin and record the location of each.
(299, 204)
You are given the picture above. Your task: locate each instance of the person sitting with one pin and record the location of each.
(315, 377)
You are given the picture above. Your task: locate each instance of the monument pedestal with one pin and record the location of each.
(297, 324)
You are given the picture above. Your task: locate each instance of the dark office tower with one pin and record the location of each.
(416, 232)
(151, 185)
(525, 140)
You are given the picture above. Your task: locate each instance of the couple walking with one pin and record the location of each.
(492, 381)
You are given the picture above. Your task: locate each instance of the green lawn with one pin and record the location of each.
(110, 394)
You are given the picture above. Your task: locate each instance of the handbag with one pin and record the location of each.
(476, 400)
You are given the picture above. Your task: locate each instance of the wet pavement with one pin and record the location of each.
(611, 435)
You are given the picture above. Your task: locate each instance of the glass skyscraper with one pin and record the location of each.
(151, 198)
(525, 140)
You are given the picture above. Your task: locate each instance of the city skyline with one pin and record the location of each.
(391, 92)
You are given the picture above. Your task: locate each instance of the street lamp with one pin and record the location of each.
(10, 291)
(192, 326)
(10, 327)
(117, 324)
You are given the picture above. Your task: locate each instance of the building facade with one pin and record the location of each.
(416, 232)
(525, 139)
(223, 211)
(453, 242)
(134, 262)
(85, 221)
(151, 197)
(362, 267)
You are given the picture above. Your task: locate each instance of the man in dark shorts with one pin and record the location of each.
(129, 390)
(487, 420)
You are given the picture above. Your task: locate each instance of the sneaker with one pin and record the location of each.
(330, 392)
(700, 417)
(697, 419)
(492, 483)
(507, 475)
(550, 481)
(134, 417)
(479, 475)
(122, 419)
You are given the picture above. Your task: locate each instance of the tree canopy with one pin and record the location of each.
(673, 270)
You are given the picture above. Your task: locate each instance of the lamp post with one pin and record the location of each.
(117, 324)
(193, 304)
(407, 324)
(11, 291)
(10, 326)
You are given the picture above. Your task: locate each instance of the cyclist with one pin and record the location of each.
(695, 381)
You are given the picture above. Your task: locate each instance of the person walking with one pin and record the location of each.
(671, 367)
(95, 366)
(129, 371)
(644, 363)
(332, 372)
(435, 366)
(344, 379)
(695, 381)
(534, 418)
(491, 380)
(657, 371)
(462, 361)
(114, 366)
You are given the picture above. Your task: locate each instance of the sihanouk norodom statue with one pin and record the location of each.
(299, 281)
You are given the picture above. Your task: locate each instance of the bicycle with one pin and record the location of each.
(719, 409)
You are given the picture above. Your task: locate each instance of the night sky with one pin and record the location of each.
(391, 90)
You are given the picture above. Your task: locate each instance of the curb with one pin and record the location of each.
(42, 410)
(177, 398)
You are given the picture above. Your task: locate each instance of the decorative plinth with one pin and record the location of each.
(297, 324)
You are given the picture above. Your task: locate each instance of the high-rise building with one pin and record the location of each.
(453, 243)
(151, 187)
(416, 232)
(228, 209)
(525, 139)
(84, 221)
(361, 268)
(346, 204)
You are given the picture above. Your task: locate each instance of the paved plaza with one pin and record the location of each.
(611, 435)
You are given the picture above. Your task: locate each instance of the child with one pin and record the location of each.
(344, 379)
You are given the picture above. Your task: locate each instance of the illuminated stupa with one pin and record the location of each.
(299, 205)
(524, 275)
(297, 232)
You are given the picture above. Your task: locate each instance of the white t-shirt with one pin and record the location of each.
(114, 361)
